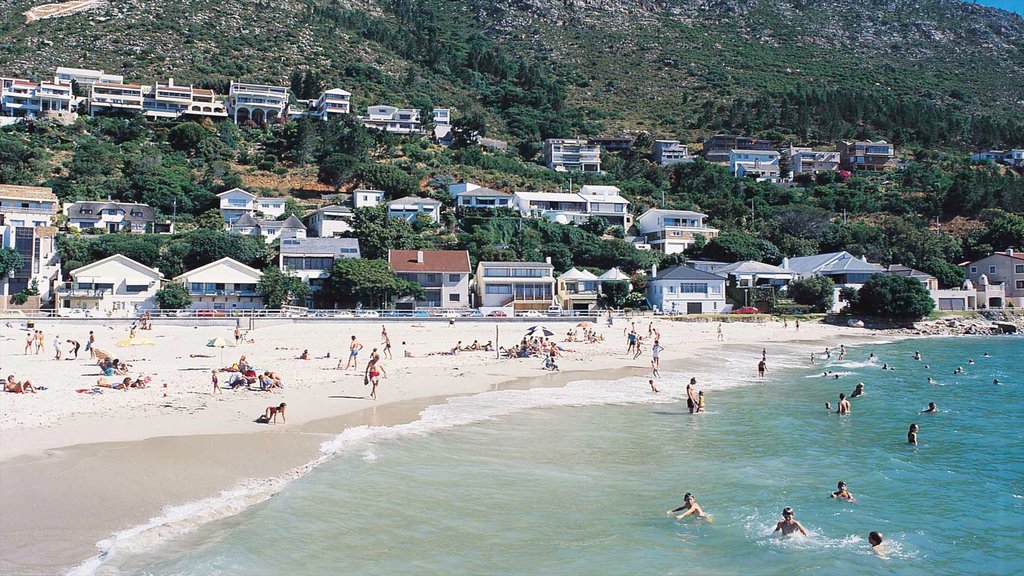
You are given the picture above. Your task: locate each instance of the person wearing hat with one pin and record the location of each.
(788, 524)
(843, 492)
(689, 507)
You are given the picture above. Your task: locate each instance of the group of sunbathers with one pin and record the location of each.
(244, 374)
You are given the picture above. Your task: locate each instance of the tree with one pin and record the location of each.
(10, 262)
(337, 169)
(187, 136)
(173, 296)
(357, 280)
(278, 288)
(377, 233)
(817, 292)
(390, 179)
(292, 207)
(894, 297)
(614, 293)
(212, 219)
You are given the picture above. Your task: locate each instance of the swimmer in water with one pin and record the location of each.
(970, 362)
(875, 539)
(689, 507)
(985, 355)
(858, 391)
(932, 408)
(788, 525)
(917, 355)
(871, 358)
(932, 381)
(927, 367)
(843, 493)
(996, 381)
(844, 405)
(828, 406)
(912, 435)
(959, 370)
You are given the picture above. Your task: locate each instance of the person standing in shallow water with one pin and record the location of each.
(844, 405)
(912, 435)
(762, 367)
(691, 396)
(788, 525)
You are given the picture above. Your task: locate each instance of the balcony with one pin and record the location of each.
(69, 291)
(18, 210)
(226, 292)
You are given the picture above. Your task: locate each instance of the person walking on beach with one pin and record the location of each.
(691, 396)
(656, 358)
(90, 343)
(216, 382)
(353, 354)
(762, 367)
(372, 374)
(844, 405)
(75, 346)
(689, 507)
(238, 335)
(631, 340)
(30, 340)
(56, 348)
(912, 435)
(40, 341)
(639, 347)
(720, 335)
(788, 525)
(386, 342)
(797, 324)
(653, 389)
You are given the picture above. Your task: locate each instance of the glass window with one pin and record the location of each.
(991, 269)
(454, 298)
(1018, 269)
(135, 288)
(454, 277)
(498, 289)
(431, 278)
(974, 269)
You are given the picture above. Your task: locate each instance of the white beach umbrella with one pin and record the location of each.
(532, 330)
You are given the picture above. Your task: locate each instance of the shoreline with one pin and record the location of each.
(148, 475)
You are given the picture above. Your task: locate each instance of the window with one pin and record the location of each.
(136, 288)
(498, 289)
(1020, 284)
(1018, 269)
(693, 288)
(454, 278)
(991, 269)
(974, 269)
(454, 298)
(430, 278)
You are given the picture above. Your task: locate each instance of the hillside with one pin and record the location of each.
(813, 70)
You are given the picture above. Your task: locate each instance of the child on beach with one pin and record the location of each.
(216, 382)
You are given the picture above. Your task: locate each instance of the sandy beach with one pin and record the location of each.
(77, 467)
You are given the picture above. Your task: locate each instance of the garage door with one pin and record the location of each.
(693, 308)
(951, 303)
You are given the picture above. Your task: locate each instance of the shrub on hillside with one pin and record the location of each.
(895, 297)
(817, 292)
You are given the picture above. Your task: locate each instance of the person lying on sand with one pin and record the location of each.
(12, 385)
(122, 385)
(304, 355)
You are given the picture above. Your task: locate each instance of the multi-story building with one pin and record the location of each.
(845, 270)
(669, 152)
(1009, 157)
(331, 103)
(329, 221)
(443, 275)
(578, 290)
(867, 155)
(223, 285)
(1005, 269)
(807, 161)
(173, 101)
(24, 98)
(367, 198)
(520, 286)
(313, 258)
(392, 119)
(472, 197)
(269, 230)
(116, 285)
(85, 77)
(259, 103)
(672, 231)
(110, 97)
(236, 202)
(572, 154)
(605, 202)
(442, 125)
(111, 216)
(26, 216)
(718, 147)
(560, 207)
(760, 164)
(410, 207)
(685, 290)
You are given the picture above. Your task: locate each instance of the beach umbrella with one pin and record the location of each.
(136, 342)
(533, 330)
(582, 324)
(221, 343)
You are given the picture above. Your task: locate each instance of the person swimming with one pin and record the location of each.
(931, 409)
(875, 539)
(917, 355)
(828, 406)
(912, 435)
(959, 370)
(971, 362)
(690, 506)
(932, 381)
(788, 525)
(842, 492)
(996, 381)
(985, 355)
(858, 391)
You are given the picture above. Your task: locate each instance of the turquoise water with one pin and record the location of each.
(577, 480)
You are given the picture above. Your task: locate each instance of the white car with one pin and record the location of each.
(531, 314)
(368, 314)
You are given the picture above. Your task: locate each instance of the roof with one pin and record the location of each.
(613, 274)
(664, 212)
(75, 210)
(833, 262)
(223, 261)
(433, 261)
(245, 220)
(550, 196)
(317, 246)
(292, 221)
(753, 267)
(484, 192)
(901, 270)
(576, 274)
(26, 192)
(684, 273)
(117, 85)
(80, 71)
(749, 151)
(415, 200)
(333, 209)
(592, 190)
(496, 264)
(337, 91)
(120, 258)
(226, 192)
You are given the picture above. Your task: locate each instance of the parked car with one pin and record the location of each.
(746, 310)
(497, 314)
(531, 314)
(209, 313)
(367, 314)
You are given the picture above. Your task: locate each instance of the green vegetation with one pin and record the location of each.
(173, 296)
(278, 288)
(368, 282)
(817, 292)
(894, 297)
(10, 262)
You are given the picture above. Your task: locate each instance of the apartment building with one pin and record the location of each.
(116, 285)
(108, 97)
(85, 77)
(578, 290)
(484, 199)
(410, 207)
(807, 161)
(173, 101)
(111, 216)
(760, 164)
(20, 97)
(392, 119)
(572, 154)
(717, 148)
(329, 221)
(259, 103)
(669, 152)
(867, 155)
(606, 202)
(443, 275)
(685, 290)
(223, 285)
(27, 206)
(236, 202)
(26, 217)
(672, 231)
(1009, 157)
(1005, 269)
(333, 102)
(520, 286)
(313, 258)
(560, 207)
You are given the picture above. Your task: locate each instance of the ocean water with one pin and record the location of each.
(577, 480)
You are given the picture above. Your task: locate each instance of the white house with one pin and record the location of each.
(845, 270)
(28, 206)
(807, 161)
(116, 285)
(560, 207)
(331, 103)
(269, 230)
(672, 231)
(471, 196)
(329, 221)
(578, 290)
(257, 102)
(172, 101)
(26, 217)
(312, 258)
(113, 97)
(236, 202)
(516, 285)
(367, 198)
(85, 77)
(20, 97)
(569, 154)
(111, 216)
(223, 285)
(410, 207)
(685, 290)
(605, 202)
(669, 152)
(443, 275)
(392, 119)
(762, 164)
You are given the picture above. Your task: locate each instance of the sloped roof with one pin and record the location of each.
(676, 213)
(245, 220)
(484, 192)
(833, 262)
(415, 200)
(433, 261)
(226, 192)
(230, 262)
(333, 209)
(75, 210)
(613, 275)
(293, 222)
(327, 246)
(28, 192)
(119, 258)
(684, 273)
(901, 270)
(576, 274)
(753, 267)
